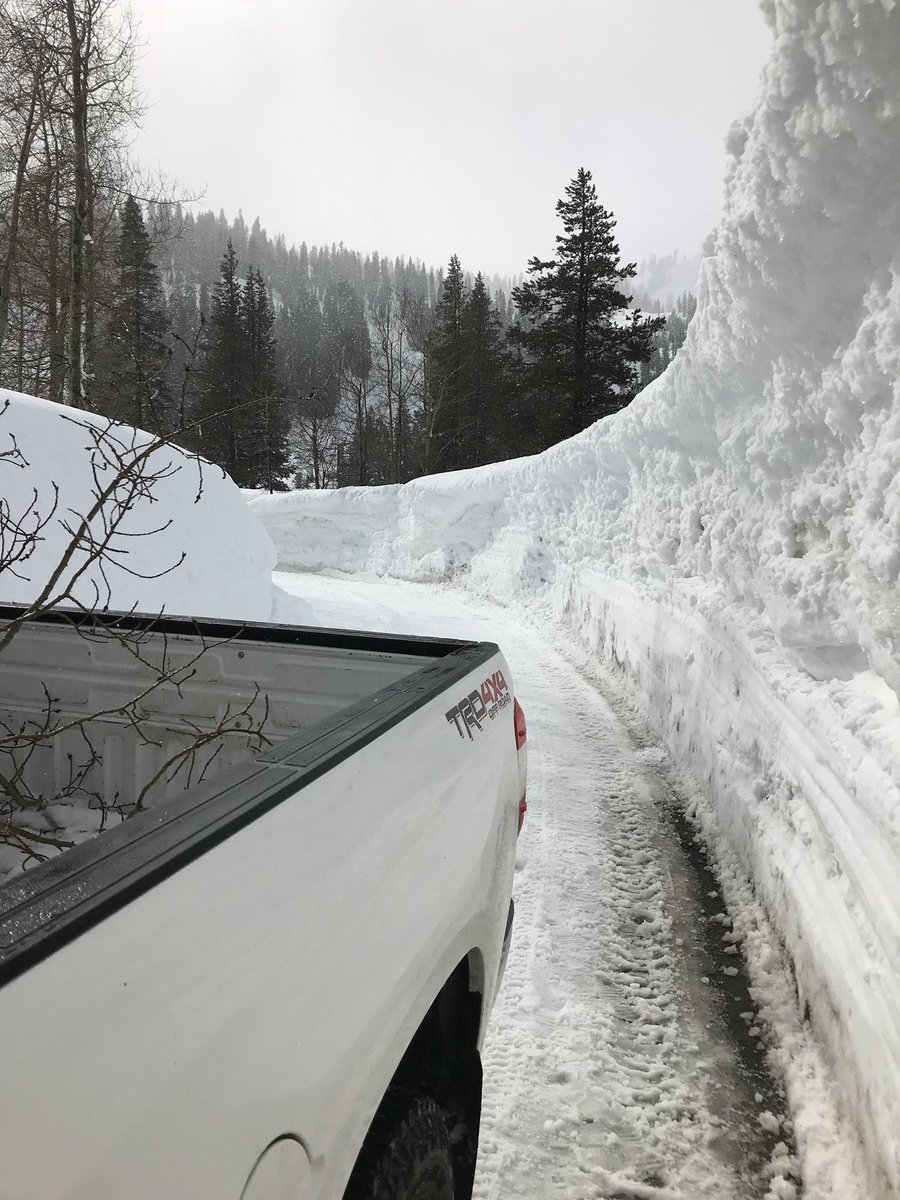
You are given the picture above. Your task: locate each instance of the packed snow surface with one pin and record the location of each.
(187, 544)
(613, 1066)
(732, 540)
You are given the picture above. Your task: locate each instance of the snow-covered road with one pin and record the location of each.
(618, 1064)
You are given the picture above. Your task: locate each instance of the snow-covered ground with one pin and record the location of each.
(613, 1067)
(732, 541)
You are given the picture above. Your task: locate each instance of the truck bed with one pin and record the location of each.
(319, 694)
(214, 668)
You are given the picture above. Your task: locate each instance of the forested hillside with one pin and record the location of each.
(356, 342)
(381, 369)
(289, 366)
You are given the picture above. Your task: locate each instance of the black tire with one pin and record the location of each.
(406, 1156)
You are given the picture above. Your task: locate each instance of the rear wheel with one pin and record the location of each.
(406, 1156)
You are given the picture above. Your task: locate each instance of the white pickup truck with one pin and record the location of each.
(273, 985)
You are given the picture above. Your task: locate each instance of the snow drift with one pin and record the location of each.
(733, 538)
(192, 510)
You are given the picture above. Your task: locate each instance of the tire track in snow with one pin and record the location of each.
(608, 1070)
(609, 1082)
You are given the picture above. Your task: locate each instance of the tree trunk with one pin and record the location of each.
(20, 383)
(15, 209)
(362, 433)
(90, 294)
(314, 446)
(57, 308)
(79, 214)
(399, 436)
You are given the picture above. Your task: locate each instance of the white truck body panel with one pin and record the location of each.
(268, 987)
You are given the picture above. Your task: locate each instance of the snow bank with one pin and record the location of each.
(733, 539)
(191, 510)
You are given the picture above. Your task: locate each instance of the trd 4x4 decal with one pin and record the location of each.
(480, 705)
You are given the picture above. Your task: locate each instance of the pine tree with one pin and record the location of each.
(448, 411)
(266, 415)
(485, 368)
(350, 344)
(224, 427)
(132, 359)
(580, 345)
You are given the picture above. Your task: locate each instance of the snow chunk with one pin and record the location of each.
(193, 510)
(770, 1122)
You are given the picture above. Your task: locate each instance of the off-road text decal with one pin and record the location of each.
(480, 705)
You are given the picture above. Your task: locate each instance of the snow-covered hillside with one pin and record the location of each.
(733, 538)
(186, 544)
(663, 280)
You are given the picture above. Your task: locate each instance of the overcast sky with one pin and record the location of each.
(428, 127)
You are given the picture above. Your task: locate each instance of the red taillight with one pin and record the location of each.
(521, 734)
(519, 722)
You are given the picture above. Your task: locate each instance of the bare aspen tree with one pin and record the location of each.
(78, 36)
(315, 441)
(356, 388)
(22, 66)
(398, 368)
(102, 99)
(68, 101)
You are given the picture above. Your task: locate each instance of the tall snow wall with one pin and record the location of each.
(734, 536)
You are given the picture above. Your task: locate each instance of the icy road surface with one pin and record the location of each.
(612, 1067)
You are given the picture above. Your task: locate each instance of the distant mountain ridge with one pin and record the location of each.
(662, 279)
